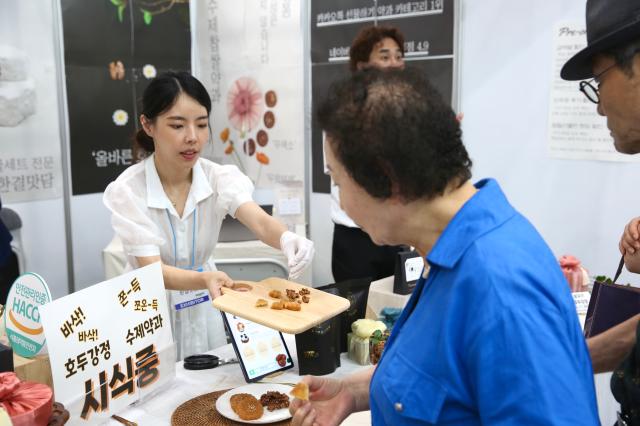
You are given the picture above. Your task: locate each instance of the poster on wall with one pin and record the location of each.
(30, 157)
(576, 130)
(112, 49)
(428, 28)
(252, 65)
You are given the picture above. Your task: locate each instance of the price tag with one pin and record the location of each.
(581, 299)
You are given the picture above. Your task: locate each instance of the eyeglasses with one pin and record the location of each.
(591, 91)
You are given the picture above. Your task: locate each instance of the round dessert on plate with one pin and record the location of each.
(224, 403)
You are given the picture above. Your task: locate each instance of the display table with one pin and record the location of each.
(188, 384)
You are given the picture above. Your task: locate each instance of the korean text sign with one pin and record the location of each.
(110, 344)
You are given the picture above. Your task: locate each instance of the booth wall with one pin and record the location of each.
(44, 243)
(579, 207)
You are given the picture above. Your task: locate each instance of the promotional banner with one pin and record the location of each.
(112, 49)
(252, 65)
(110, 344)
(576, 130)
(30, 166)
(428, 28)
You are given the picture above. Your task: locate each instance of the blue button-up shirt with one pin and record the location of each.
(491, 336)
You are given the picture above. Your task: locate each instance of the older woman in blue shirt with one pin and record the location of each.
(491, 336)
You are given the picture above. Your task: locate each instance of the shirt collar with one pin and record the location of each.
(156, 197)
(485, 211)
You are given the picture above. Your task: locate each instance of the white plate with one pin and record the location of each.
(223, 404)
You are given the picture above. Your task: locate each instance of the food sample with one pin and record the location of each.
(292, 306)
(247, 407)
(235, 399)
(276, 294)
(305, 299)
(274, 400)
(59, 415)
(300, 391)
(304, 292)
(292, 294)
(261, 303)
(277, 305)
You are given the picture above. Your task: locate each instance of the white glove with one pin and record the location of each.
(298, 251)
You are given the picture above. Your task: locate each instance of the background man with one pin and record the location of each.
(611, 63)
(354, 255)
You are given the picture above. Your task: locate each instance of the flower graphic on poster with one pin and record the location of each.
(149, 71)
(246, 113)
(244, 104)
(120, 117)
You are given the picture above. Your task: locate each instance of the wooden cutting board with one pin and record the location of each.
(321, 306)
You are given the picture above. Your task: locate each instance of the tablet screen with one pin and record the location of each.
(261, 350)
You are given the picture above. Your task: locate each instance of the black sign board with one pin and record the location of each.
(107, 45)
(428, 27)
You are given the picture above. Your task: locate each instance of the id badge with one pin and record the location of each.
(188, 298)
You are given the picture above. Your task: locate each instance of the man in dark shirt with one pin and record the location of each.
(354, 254)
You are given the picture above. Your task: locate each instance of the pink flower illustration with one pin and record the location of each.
(245, 104)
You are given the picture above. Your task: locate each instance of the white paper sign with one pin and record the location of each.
(30, 160)
(576, 131)
(289, 206)
(110, 344)
(250, 59)
(581, 300)
(413, 267)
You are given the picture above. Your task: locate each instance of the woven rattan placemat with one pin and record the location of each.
(202, 411)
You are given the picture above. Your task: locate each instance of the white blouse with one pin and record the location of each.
(141, 212)
(148, 225)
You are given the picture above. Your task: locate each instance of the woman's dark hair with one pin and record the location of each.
(367, 39)
(160, 95)
(392, 130)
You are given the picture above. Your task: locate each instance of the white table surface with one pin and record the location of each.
(192, 383)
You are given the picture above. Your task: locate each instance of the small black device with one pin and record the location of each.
(409, 266)
(260, 350)
(205, 361)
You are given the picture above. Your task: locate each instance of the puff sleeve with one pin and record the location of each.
(233, 188)
(130, 219)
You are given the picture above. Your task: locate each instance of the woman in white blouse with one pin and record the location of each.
(169, 208)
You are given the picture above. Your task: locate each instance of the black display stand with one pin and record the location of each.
(405, 277)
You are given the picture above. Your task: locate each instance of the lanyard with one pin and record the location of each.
(193, 241)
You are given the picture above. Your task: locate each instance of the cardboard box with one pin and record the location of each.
(36, 369)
